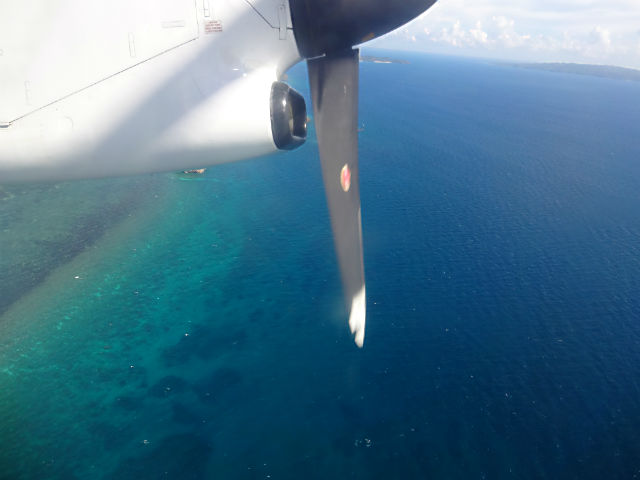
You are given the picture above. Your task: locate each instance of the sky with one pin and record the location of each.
(603, 32)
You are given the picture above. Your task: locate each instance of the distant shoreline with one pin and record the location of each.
(603, 71)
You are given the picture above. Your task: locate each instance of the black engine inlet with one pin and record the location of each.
(288, 117)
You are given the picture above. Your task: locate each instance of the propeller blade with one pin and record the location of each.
(334, 93)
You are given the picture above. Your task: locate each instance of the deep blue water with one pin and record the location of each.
(205, 337)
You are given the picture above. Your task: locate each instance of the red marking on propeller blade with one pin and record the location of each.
(345, 178)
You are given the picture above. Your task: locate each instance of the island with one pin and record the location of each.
(605, 71)
(373, 59)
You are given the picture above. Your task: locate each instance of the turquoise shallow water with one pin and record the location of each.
(165, 326)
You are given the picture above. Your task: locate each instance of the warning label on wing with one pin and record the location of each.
(212, 26)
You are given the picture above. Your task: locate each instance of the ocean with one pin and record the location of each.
(168, 326)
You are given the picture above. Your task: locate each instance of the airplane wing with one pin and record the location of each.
(93, 89)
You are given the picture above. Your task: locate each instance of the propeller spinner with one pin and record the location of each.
(325, 32)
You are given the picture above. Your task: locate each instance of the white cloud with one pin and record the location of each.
(600, 36)
(479, 35)
(529, 30)
(507, 36)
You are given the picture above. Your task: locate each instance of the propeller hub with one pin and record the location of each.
(328, 26)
